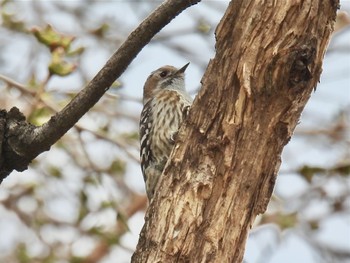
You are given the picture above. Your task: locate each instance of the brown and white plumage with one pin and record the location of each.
(165, 105)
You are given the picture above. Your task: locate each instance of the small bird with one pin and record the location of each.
(166, 104)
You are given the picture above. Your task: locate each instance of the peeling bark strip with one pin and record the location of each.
(223, 167)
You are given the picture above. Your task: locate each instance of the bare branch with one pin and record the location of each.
(28, 141)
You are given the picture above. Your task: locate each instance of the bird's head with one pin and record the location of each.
(166, 77)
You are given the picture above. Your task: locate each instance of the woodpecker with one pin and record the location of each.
(166, 104)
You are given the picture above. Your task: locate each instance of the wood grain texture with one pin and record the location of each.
(224, 165)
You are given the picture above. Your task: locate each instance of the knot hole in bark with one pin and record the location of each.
(302, 59)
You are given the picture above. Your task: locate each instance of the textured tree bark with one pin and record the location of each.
(223, 167)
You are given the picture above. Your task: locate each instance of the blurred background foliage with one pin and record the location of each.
(84, 200)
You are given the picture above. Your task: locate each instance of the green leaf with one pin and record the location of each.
(100, 31)
(343, 169)
(9, 21)
(58, 65)
(118, 167)
(76, 259)
(314, 225)
(75, 52)
(116, 85)
(287, 221)
(22, 254)
(98, 231)
(51, 38)
(308, 172)
(55, 171)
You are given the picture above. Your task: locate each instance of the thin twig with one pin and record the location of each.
(17, 85)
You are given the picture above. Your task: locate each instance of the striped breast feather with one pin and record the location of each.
(145, 127)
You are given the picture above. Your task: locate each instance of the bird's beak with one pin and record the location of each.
(182, 70)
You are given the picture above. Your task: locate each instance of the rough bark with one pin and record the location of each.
(21, 142)
(223, 167)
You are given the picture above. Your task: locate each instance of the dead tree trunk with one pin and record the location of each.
(223, 168)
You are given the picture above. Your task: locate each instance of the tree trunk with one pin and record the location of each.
(223, 167)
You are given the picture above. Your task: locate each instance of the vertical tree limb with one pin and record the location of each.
(223, 168)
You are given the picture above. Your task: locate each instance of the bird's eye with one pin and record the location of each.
(163, 73)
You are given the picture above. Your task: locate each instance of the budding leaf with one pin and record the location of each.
(51, 38)
(58, 65)
(10, 21)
